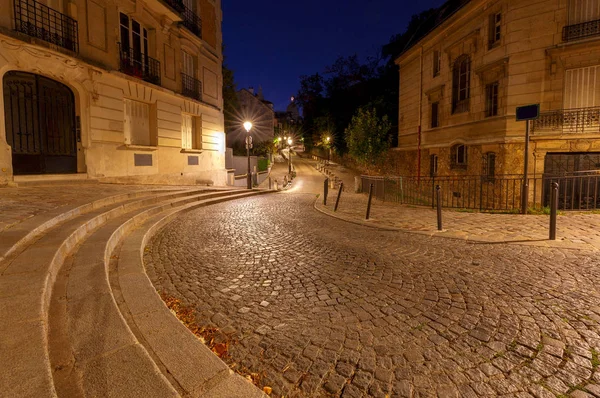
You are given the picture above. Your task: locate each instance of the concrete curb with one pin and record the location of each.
(439, 234)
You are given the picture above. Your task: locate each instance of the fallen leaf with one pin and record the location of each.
(267, 390)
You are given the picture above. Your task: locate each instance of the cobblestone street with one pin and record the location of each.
(322, 307)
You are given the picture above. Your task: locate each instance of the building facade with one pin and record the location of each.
(460, 85)
(253, 108)
(115, 89)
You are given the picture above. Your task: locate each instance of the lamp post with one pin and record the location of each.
(248, 126)
(289, 141)
(328, 148)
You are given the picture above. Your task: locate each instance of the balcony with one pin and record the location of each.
(191, 87)
(581, 30)
(42, 22)
(192, 22)
(569, 121)
(139, 65)
(171, 8)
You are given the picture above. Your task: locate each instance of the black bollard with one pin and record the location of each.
(325, 191)
(337, 201)
(553, 210)
(438, 194)
(369, 202)
(270, 183)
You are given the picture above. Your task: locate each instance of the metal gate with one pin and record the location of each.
(578, 177)
(40, 124)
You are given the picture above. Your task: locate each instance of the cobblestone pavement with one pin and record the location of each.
(323, 307)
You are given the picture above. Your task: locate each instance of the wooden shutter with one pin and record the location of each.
(137, 123)
(583, 11)
(582, 87)
(187, 130)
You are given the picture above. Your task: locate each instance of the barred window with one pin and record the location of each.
(489, 167)
(461, 75)
(491, 99)
(435, 116)
(495, 31)
(458, 157)
(433, 165)
(437, 63)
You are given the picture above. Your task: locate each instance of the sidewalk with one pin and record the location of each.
(575, 230)
(279, 170)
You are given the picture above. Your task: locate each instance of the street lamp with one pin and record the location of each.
(289, 141)
(248, 127)
(328, 148)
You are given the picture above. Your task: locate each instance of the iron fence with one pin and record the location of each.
(503, 193)
(581, 30)
(191, 87)
(140, 65)
(40, 21)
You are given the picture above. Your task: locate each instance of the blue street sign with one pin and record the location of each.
(528, 112)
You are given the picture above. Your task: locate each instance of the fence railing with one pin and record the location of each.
(140, 65)
(574, 121)
(40, 21)
(503, 193)
(192, 21)
(581, 30)
(191, 87)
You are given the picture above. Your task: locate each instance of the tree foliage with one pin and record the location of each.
(367, 136)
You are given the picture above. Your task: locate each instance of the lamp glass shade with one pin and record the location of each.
(248, 126)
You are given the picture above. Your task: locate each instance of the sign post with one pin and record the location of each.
(526, 113)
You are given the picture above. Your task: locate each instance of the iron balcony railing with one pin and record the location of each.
(37, 20)
(192, 22)
(581, 30)
(570, 121)
(191, 87)
(177, 5)
(134, 63)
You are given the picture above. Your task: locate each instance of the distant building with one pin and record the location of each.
(288, 119)
(255, 108)
(461, 82)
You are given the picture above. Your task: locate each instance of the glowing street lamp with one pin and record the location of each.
(289, 141)
(328, 139)
(248, 127)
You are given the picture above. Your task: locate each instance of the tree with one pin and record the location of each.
(367, 136)
(231, 105)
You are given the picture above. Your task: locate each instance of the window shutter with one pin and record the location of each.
(582, 87)
(137, 122)
(186, 131)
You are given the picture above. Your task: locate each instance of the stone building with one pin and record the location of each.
(460, 84)
(112, 89)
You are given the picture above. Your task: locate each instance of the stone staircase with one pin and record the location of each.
(81, 318)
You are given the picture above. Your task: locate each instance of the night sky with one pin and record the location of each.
(272, 43)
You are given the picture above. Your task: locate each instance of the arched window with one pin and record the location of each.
(461, 75)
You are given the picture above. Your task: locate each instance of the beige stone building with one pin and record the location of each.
(461, 82)
(112, 89)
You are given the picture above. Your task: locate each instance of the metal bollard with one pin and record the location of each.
(270, 183)
(438, 194)
(553, 210)
(337, 201)
(369, 202)
(325, 191)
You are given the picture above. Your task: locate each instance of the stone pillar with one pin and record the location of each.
(357, 184)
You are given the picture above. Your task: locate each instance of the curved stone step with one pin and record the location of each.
(25, 287)
(17, 237)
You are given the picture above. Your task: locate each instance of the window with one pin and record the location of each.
(134, 38)
(187, 64)
(435, 121)
(433, 165)
(489, 167)
(191, 132)
(458, 157)
(437, 63)
(137, 123)
(495, 30)
(491, 99)
(461, 74)
(583, 11)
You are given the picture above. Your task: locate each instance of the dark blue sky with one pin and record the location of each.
(272, 43)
